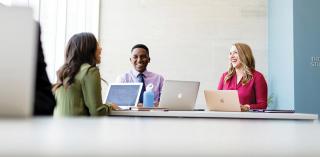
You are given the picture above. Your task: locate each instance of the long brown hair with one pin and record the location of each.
(80, 49)
(246, 60)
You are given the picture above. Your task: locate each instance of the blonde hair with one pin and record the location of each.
(247, 63)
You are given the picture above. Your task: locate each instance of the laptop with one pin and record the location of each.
(18, 61)
(222, 100)
(125, 95)
(179, 95)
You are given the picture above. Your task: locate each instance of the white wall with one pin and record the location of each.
(188, 39)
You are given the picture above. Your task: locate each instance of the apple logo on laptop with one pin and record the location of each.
(221, 100)
(179, 96)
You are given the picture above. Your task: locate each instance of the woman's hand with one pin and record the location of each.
(245, 108)
(115, 107)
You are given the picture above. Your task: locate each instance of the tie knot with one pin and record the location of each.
(140, 78)
(140, 75)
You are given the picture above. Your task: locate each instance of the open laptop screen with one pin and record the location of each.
(222, 100)
(124, 94)
(179, 95)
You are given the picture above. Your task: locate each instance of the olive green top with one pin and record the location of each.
(83, 96)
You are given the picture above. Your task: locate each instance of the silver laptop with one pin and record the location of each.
(179, 95)
(125, 95)
(18, 61)
(222, 100)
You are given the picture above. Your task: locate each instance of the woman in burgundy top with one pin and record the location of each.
(242, 76)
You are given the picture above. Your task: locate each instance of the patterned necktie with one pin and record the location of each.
(140, 78)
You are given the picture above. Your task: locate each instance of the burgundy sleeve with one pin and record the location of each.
(220, 86)
(261, 92)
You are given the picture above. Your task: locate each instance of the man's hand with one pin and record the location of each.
(139, 105)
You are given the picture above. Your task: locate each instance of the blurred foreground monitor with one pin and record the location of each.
(17, 61)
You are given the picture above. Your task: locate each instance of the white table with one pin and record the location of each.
(150, 136)
(212, 114)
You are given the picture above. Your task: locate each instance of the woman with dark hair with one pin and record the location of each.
(242, 76)
(78, 89)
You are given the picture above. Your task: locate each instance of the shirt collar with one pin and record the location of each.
(136, 73)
